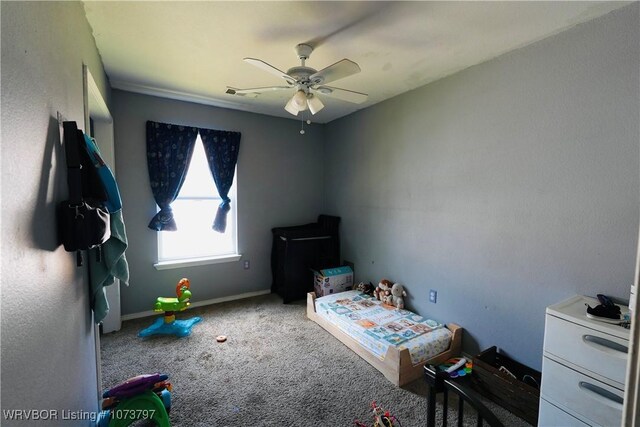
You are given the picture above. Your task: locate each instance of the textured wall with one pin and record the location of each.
(279, 183)
(48, 350)
(506, 187)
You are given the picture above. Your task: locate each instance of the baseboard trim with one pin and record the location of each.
(198, 304)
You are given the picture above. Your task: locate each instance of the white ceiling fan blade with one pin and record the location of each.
(234, 91)
(315, 104)
(256, 90)
(339, 70)
(270, 68)
(291, 107)
(343, 94)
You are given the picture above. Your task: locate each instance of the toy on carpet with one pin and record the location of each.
(381, 418)
(397, 295)
(365, 288)
(145, 397)
(383, 290)
(168, 325)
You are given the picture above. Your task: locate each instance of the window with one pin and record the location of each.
(194, 210)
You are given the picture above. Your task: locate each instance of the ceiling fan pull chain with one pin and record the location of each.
(302, 124)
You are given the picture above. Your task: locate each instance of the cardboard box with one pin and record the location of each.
(332, 280)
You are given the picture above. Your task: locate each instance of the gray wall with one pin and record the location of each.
(48, 348)
(279, 180)
(506, 187)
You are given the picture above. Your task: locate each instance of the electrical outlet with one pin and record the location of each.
(433, 296)
(246, 264)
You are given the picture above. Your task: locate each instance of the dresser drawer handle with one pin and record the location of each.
(604, 344)
(602, 395)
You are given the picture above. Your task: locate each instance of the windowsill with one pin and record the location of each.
(192, 262)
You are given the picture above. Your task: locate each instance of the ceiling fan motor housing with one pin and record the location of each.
(301, 74)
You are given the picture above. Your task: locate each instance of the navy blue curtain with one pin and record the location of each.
(221, 148)
(169, 150)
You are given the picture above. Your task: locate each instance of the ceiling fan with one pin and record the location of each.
(307, 82)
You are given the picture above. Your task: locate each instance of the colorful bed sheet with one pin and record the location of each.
(377, 326)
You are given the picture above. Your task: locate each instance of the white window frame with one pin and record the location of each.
(189, 261)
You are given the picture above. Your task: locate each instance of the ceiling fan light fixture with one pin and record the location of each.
(315, 104)
(300, 100)
(291, 108)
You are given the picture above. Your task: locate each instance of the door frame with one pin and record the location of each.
(96, 108)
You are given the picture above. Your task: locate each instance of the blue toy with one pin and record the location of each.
(168, 325)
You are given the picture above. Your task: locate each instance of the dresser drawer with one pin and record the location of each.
(595, 351)
(552, 416)
(587, 397)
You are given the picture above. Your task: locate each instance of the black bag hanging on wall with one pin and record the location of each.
(83, 223)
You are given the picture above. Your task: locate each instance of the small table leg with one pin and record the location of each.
(431, 408)
(433, 385)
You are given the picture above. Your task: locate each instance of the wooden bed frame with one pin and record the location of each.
(397, 365)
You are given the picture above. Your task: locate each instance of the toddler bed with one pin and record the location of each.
(398, 343)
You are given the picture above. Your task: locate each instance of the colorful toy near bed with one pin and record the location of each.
(396, 342)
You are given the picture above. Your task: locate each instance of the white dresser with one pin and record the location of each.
(583, 368)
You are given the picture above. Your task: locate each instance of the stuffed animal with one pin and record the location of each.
(383, 290)
(388, 299)
(365, 288)
(397, 295)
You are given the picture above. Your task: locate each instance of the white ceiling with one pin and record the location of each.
(194, 50)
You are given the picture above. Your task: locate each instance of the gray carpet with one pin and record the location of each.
(277, 368)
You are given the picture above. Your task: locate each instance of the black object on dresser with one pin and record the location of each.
(298, 250)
